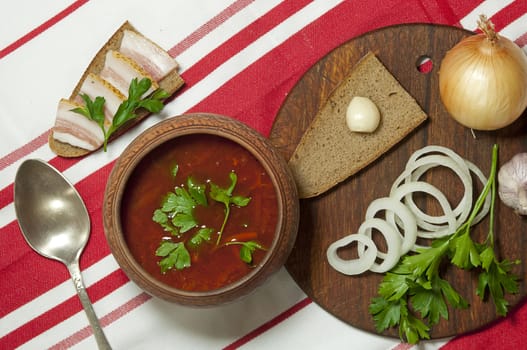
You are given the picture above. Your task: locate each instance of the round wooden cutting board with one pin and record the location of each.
(340, 211)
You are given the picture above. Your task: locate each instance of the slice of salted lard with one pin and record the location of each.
(94, 86)
(74, 128)
(329, 152)
(119, 70)
(156, 61)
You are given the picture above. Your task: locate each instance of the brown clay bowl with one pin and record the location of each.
(143, 147)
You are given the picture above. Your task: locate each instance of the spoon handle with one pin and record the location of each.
(76, 276)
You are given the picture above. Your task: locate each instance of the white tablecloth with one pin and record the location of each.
(238, 58)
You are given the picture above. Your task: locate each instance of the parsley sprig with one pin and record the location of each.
(224, 195)
(176, 216)
(94, 109)
(414, 296)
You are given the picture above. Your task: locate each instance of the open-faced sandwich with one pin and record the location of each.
(128, 79)
(329, 152)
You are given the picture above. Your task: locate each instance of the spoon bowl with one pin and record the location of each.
(55, 223)
(40, 192)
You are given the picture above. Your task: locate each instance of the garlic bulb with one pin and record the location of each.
(512, 181)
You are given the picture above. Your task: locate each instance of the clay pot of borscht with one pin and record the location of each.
(200, 209)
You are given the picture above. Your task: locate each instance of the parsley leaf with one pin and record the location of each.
(466, 255)
(162, 219)
(386, 313)
(174, 170)
(247, 249)
(498, 280)
(94, 110)
(204, 234)
(178, 201)
(175, 255)
(240, 201)
(197, 191)
(413, 328)
(429, 301)
(185, 221)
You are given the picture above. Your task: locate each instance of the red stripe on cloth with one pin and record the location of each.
(457, 10)
(402, 346)
(24, 150)
(505, 333)
(208, 27)
(522, 40)
(509, 14)
(84, 333)
(447, 11)
(242, 39)
(6, 195)
(270, 324)
(62, 311)
(41, 28)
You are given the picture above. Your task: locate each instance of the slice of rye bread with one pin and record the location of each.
(329, 152)
(171, 83)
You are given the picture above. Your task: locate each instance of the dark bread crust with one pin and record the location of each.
(171, 83)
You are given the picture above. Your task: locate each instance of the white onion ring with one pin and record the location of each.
(462, 172)
(421, 186)
(388, 204)
(436, 149)
(463, 163)
(393, 242)
(416, 170)
(352, 266)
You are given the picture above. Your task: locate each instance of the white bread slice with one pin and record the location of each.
(171, 83)
(329, 152)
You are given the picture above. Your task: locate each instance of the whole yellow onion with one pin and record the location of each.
(483, 80)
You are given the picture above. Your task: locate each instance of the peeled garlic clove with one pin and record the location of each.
(362, 115)
(512, 183)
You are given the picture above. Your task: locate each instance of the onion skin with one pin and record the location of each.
(483, 81)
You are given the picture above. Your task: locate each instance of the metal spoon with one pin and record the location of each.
(55, 223)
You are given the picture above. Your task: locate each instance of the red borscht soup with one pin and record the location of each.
(199, 212)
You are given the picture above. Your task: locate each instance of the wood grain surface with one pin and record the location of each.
(340, 211)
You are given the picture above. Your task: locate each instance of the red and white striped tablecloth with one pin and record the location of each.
(238, 58)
